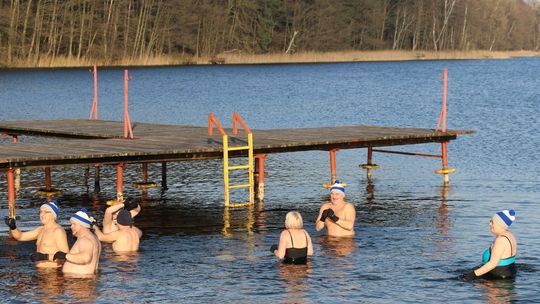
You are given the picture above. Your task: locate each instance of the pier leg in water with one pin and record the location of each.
(97, 187)
(119, 185)
(369, 166)
(259, 173)
(164, 176)
(445, 170)
(145, 184)
(48, 191)
(333, 174)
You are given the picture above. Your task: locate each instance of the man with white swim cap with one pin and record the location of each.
(338, 216)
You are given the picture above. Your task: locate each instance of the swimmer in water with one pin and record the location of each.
(50, 238)
(126, 238)
(109, 219)
(294, 242)
(337, 216)
(500, 259)
(83, 258)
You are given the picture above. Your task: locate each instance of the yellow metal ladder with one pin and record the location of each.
(227, 168)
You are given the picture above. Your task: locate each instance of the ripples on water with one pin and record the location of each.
(413, 238)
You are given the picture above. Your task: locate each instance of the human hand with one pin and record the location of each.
(130, 205)
(469, 276)
(59, 255)
(324, 214)
(273, 248)
(11, 223)
(38, 256)
(331, 215)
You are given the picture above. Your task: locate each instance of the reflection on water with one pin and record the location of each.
(294, 280)
(336, 246)
(55, 286)
(498, 291)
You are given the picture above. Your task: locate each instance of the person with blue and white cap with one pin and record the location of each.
(50, 237)
(499, 259)
(83, 257)
(338, 216)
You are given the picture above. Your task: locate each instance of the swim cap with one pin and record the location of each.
(338, 187)
(52, 205)
(124, 218)
(504, 218)
(82, 218)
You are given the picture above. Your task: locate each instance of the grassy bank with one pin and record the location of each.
(306, 57)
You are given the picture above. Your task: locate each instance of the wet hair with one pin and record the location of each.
(124, 218)
(293, 220)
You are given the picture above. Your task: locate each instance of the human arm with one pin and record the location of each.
(27, 235)
(319, 224)
(282, 246)
(108, 217)
(105, 237)
(309, 244)
(497, 252)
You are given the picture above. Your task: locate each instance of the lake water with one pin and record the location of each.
(413, 236)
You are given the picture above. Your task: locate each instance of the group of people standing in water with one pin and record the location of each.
(52, 249)
(337, 216)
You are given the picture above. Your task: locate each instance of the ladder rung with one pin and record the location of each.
(239, 186)
(236, 205)
(239, 167)
(238, 148)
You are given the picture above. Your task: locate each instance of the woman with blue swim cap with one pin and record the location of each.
(500, 259)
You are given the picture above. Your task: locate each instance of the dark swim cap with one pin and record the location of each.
(124, 217)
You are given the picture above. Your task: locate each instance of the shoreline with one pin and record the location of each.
(277, 58)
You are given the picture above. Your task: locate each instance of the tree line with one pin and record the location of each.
(112, 30)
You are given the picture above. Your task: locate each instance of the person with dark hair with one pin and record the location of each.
(111, 213)
(126, 238)
(50, 237)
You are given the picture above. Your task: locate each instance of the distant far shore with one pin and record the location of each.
(278, 58)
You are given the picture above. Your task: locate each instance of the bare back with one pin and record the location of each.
(128, 240)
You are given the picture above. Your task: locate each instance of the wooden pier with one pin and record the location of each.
(81, 141)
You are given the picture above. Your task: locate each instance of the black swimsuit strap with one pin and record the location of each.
(511, 251)
(290, 234)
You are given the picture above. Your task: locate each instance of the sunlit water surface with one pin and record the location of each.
(413, 237)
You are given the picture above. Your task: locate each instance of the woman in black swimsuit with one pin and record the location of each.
(294, 242)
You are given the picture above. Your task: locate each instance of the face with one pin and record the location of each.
(336, 197)
(75, 227)
(45, 215)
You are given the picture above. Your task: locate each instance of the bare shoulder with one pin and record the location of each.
(349, 206)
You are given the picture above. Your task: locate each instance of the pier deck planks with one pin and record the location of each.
(80, 141)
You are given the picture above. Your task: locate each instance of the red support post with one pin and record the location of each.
(128, 132)
(333, 174)
(445, 170)
(120, 182)
(145, 172)
(11, 192)
(14, 138)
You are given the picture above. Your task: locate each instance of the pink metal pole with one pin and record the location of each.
(120, 180)
(14, 138)
(128, 132)
(94, 110)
